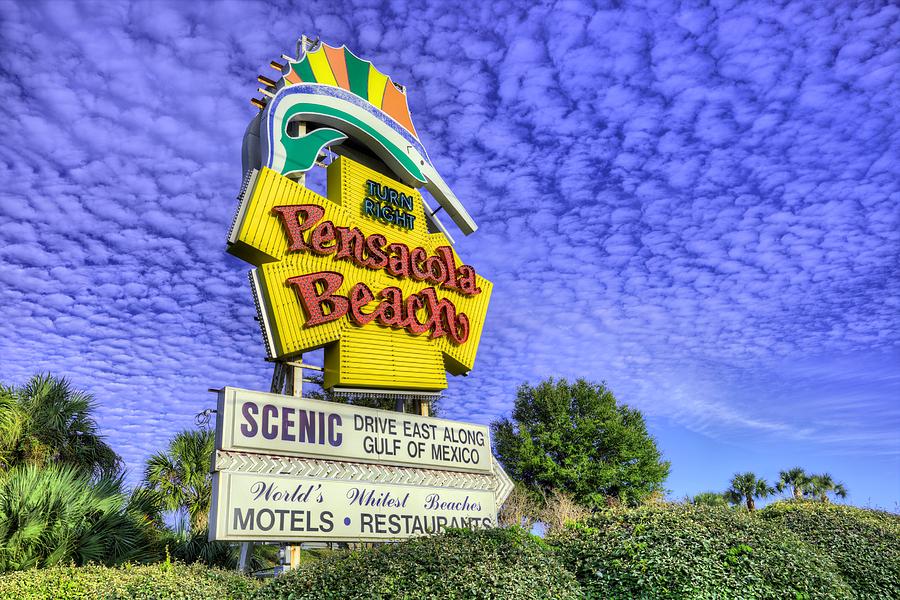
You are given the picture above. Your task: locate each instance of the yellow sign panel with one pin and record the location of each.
(360, 274)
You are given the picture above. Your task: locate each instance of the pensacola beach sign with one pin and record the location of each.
(368, 273)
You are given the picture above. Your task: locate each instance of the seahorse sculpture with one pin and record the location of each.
(340, 96)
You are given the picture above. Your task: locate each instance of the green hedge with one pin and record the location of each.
(147, 582)
(500, 563)
(787, 550)
(685, 551)
(864, 544)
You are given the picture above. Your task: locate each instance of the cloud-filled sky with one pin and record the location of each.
(697, 203)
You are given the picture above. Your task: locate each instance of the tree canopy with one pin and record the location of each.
(709, 499)
(47, 422)
(576, 438)
(823, 484)
(796, 479)
(181, 475)
(746, 487)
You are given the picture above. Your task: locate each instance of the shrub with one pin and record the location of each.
(498, 563)
(194, 547)
(561, 509)
(55, 515)
(520, 509)
(686, 551)
(864, 544)
(133, 582)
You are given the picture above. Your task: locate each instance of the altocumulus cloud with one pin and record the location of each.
(697, 203)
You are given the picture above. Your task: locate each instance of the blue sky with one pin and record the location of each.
(697, 203)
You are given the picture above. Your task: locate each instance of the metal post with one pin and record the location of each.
(422, 407)
(296, 387)
(291, 383)
(244, 560)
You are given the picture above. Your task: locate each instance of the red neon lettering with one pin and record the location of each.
(372, 251)
(446, 253)
(378, 259)
(323, 306)
(316, 303)
(398, 264)
(361, 295)
(321, 235)
(290, 219)
(351, 243)
(415, 258)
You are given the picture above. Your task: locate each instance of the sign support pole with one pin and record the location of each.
(244, 559)
(287, 378)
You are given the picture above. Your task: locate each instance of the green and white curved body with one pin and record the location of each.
(332, 115)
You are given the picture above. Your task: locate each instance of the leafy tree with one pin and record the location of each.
(796, 479)
(55, 514)
(47, 422)
(181, 476)
(577, 439)
(822, 485)
(746, 487)
(709, 499)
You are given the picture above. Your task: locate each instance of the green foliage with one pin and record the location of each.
(12, 427)
(499, 563)
(181, 475)
(709, 499)
(820, 486)
(800, 550)
(194, 547)
(154, 582)
(55, 515)
(746, 487)
(576, 438)
(864, 544)
(687, 551)
(46, 422)
(796, 479)
(805, 485)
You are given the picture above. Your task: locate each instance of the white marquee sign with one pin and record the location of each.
(292, 469)
(274, 424)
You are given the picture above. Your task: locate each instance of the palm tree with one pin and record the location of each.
(822, 485)
(796, 479)
(745, 487)
(54, 514)
(47, 422)
(12, 424)
(181, 476)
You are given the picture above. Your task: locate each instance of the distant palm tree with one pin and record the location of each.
(745, 487)
(181, 476)
(709, 499)
(796, 479)
(47, 422)
(822, 485)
